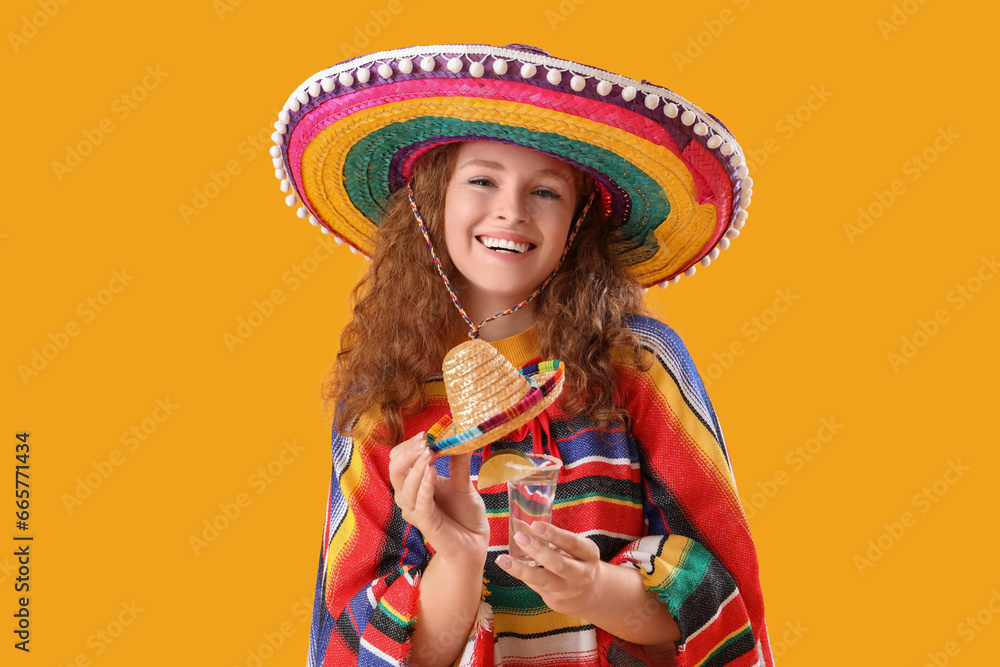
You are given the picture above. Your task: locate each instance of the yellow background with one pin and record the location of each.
(224, 71)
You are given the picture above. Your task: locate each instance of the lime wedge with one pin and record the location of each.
(502, 466)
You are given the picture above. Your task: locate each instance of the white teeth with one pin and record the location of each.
(503, 244)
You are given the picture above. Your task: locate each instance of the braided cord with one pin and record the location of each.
(473, 327)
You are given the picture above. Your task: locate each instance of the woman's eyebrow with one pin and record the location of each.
(491, 164)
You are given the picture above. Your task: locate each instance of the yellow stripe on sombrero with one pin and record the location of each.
(324, 184)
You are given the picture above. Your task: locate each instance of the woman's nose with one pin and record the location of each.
(511, 206)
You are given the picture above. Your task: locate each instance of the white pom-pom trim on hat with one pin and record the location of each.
(406, 66)
(670, 110)
(628, 93)
(363, 75)
(742, 171)
(314, 221)
(673, 281)
(705, 261)
(727, 149)
(291, 200)
(336, 238)
(736, 160)
(714, 253)
(427, 64)
(741, 215)
(652, 101)
(302, 212)
(499, 66)
(277, 138)
(280, 127)
(385, 71)
(346, 79)
(325, 230)
(315, 89)
(732, 233)
(284, 116)
(691, 270)
(700, 129)
(275, 151)
(302, 96)
(577, 83)
(723, 243)
(286, 186)
(528, 70)
(604, 88)
(354, 251)
(454, 66)
(328, 84)
(294, 105)
(688, 117)
(279, 174)
(714, 141)
(664, 284)
(477, 70)
(554, 77)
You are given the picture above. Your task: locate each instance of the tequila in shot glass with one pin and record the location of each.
(529, 498)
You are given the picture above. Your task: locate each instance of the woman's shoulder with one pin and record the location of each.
(659, 340)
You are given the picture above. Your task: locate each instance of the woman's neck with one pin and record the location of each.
(506, 326)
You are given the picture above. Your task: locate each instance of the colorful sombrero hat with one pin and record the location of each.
(671, 177)
(489, 398)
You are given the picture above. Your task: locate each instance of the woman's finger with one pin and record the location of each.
(543, 553)
(402, 458)
(575, 545)
(535, 577)
(458, 471)
(406, 497)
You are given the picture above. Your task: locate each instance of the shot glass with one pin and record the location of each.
(530, 499)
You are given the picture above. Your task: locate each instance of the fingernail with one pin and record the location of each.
(539, 527)
(522, 539)
(418, 444)
(504, 561)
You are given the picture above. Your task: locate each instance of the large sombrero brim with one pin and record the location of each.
(672, 177)
(547, 382)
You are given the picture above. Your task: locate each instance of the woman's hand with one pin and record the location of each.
(448, 511)
(572, 568)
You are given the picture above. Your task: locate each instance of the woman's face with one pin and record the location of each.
(508, 211)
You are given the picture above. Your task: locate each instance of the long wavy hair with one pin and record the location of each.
(404, 322)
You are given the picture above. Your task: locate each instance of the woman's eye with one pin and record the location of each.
(547, 193)
(480, 181)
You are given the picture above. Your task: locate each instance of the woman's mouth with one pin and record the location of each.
(504, 246)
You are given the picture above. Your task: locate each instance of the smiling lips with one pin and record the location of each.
(505, 246)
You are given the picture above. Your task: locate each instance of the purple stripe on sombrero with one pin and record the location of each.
(401, 167)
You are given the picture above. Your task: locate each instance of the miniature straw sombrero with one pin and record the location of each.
(672, 179)
(489, 398)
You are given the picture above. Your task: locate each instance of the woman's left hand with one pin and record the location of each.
(572, 568)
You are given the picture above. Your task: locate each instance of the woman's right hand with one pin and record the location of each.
(448, 511)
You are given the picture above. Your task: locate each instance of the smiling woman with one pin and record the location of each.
(541, 195)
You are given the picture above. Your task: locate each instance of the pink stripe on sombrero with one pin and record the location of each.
(593, 110)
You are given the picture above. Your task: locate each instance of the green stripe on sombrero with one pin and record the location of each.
(366, 172)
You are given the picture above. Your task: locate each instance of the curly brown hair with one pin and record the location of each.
(386, 357)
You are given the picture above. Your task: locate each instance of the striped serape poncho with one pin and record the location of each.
(659, 497)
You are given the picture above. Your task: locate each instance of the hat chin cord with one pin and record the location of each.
(473, 327)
